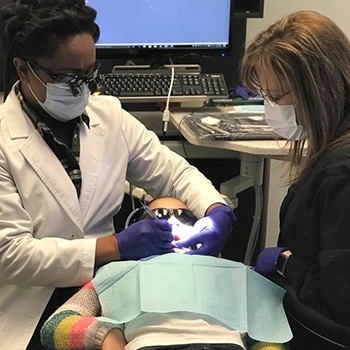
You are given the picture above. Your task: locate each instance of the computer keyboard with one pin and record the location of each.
(153, 86)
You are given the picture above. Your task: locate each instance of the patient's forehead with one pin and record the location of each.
(166, 202)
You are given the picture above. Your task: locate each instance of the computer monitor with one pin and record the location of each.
(144, 28)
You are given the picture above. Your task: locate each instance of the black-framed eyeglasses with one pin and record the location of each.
(185, 216)
(273, 101)
(73, 80)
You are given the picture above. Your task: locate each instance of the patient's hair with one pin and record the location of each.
(166, 202)
(312, 54)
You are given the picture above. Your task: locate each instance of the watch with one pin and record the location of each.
(282, 262)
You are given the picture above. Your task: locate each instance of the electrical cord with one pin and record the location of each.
(136, 192)
(254, 233)
(166, 112)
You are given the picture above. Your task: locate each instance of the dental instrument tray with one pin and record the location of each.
(229, 126)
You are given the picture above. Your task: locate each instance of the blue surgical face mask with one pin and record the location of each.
(282, 121)
(60, 103)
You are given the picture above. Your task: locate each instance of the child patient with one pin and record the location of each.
(75, 325)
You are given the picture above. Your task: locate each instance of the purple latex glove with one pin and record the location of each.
(145, 238)
(213, 231)
(241, 91)
(267, 259)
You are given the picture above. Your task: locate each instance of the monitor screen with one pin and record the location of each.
(140, 26)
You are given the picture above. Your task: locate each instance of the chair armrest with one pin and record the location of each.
(310, 318)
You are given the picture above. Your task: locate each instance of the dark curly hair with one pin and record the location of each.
(34, 28)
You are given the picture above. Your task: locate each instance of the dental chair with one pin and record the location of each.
(311, 330)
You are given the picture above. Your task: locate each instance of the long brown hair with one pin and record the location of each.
(311, 53)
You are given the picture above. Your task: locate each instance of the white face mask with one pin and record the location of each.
(60, 102)
(282, 121)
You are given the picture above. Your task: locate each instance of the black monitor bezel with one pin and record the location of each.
(248, 8)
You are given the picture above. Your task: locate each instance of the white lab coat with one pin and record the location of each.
(42, 221)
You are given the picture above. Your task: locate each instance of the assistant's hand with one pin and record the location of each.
(266, 261)
(241, 91)
(212, 232)
(145, 238)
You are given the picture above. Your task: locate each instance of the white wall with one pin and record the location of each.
(338, 11)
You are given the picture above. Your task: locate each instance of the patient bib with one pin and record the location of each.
(227, 290)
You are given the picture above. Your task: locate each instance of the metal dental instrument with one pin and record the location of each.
(149, 211)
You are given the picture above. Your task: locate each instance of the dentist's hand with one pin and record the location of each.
(145, 238)
(212, 232)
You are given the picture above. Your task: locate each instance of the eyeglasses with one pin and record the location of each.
(73, 80)
(185, 216)
(273, 101)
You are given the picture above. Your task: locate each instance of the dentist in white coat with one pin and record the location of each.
(64, 159)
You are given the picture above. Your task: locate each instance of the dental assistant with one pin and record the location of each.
(301, 66)
(64, 159)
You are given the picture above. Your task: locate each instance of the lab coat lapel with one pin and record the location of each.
(52, 173)
(48, 167)
(90, 162)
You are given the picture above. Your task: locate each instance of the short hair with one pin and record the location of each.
(34, 28)
(312, 54)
